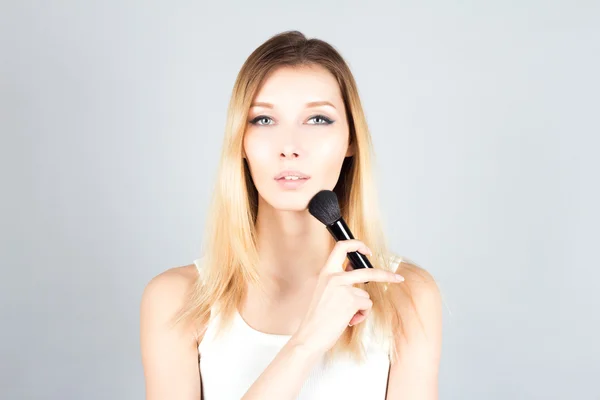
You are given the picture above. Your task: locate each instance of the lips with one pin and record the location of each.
(291, 184)
(299, 174)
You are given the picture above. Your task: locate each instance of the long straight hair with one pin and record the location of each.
(229, 250)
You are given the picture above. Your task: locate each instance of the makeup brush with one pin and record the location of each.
(325, 207)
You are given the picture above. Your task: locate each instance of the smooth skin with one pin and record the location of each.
(303, 287)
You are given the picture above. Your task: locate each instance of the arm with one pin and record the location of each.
(285, 375)
(169, 355)
(414, 376)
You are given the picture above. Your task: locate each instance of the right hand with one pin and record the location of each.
(336, 303)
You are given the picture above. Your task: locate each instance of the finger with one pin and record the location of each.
(363, 304)
(365, 313)
(367, 275)
(359, 317)
(356, 319)
(339, 253)
(360, 292)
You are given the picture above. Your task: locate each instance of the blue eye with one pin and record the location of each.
(326, 120)
(259, 118)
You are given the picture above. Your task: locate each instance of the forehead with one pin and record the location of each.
(298, 85)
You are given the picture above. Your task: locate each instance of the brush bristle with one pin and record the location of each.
(324, 206)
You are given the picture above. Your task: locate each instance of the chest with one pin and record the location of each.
(229, 366)
(279, 315)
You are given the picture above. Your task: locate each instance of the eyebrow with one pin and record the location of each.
(309, 104)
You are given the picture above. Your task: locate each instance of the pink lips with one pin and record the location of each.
(288, 172)
(286, 184)
(289, 183)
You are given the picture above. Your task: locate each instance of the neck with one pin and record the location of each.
(293, 246)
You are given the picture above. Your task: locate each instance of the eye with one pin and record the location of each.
(326, 120)
(259, 118)
(262, 118)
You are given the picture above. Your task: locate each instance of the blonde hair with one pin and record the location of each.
(229, 255)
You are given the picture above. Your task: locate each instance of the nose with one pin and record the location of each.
(290, 150)
(289, 153)
(291, 143)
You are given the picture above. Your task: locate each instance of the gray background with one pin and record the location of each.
(485, 123)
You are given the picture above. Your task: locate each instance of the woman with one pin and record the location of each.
(273, 309)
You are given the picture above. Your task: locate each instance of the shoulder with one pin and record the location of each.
(172, 278)
(419, 303)
(418, 339)
(166, 293)
(170, 286)
(169, 350)
(418, 279)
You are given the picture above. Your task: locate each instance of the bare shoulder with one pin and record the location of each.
(417, 277)
(170, 286)
(418, 300)
(169, 350)
(176, 276)
(414, 373)
(166, 293)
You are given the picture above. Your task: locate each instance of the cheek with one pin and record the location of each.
(258, 153)
(328, 148)
(327, 157)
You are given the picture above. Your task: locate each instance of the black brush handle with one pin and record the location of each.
(340, 231)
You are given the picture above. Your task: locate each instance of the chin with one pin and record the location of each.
(290, 201)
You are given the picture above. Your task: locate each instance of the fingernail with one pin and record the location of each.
(398, 277)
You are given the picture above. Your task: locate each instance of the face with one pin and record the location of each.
(298, 123)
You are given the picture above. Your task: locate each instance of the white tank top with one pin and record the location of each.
(233, 360)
